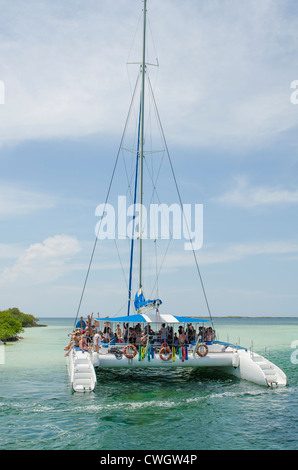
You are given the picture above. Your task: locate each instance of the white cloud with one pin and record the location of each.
(43, 262)
(226, 68)
(248, 196)
(15, 201)
(240, 251)
(219, 254)
(12, 251)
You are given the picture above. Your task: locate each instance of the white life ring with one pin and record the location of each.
(132, 351)
(165, 349)
(202, 350)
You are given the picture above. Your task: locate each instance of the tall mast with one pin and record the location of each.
(143, 69)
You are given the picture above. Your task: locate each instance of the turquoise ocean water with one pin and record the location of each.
(154, 410)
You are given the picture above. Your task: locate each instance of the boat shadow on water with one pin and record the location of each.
(166, 377)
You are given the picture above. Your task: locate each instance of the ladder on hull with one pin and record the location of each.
(271, 372)
(82, 374)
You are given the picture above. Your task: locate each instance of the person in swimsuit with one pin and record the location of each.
(74, 342)
(83, 345)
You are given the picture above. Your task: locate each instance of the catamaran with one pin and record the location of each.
(149, 338)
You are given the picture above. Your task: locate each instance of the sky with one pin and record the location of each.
(223, 90)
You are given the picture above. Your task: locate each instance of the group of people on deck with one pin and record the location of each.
(81, 338)
(88, 334)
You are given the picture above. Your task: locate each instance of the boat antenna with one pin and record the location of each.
(141, 154)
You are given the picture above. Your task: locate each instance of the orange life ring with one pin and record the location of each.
(133, 350)
(205, 350)
(165, 349)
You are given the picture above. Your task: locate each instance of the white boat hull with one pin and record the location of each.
(81, 371)
(256, 368)
(241, 363)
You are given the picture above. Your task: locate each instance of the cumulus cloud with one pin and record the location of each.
(247, 196)
(225, 68)
(10, 251)
(43, 262)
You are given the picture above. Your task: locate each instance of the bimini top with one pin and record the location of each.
(142, 305)
(153, 318)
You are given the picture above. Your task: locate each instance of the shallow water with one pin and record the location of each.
(176, 409)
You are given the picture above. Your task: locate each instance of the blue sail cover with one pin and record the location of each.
(141, 302)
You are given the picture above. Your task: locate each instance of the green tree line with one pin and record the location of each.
(12, 322)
